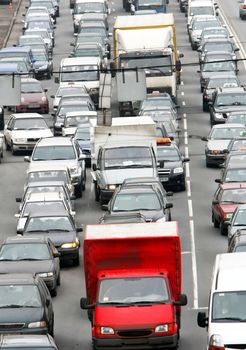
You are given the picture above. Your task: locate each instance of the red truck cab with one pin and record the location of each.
(133, 284)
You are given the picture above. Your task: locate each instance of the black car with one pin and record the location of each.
(60, 228)
(170, 162)
(82, 136)
(146, 199)
(35, 255)
(43, 65)
(27, 342)
(25, 304)
(225, 100)
(215, 82)
(237, 243)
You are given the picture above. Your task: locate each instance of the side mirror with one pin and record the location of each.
(227, 223)
(94, 167)
(202, 320)
(27, 159)
(169, 194)
(186, 159)
(45, 90)
(79, 229)
(182, 300)
(72, 44)
(215, 201)
(84, 304)
(18, 199)
(17, 215)
(218, 181)
(57, 255)
(169, 206)
(181, 55)
(82, 156)
(204, 138)
(236, 49)
(52, 96)
(105, 207)
(226, 151)
(198, 71)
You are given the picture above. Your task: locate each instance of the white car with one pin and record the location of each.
(23, 130)
(73, 120)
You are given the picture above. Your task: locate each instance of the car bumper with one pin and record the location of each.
(172, 180)
(137, 343)
(68, 254)
(29, 108)
(23, 147)
(215, 159)
(25, 331)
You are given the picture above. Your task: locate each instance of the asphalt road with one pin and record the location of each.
(192, 209)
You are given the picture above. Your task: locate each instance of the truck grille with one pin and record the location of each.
(11, 326)
(135, 333)
(164, 172)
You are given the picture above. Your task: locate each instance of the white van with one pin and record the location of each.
(81, 71)
(226, 320)
(200, 8)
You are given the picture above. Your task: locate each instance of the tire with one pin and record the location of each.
(6, 145)
(215, 222)
(51, 330)
(204, 106)
(76, 260)
(12, 149)
(49, 75)
(97, 192)
(183, 186)
(53, 292)
(208, 165)
(78, 191)
(58, 282)
(223, 232)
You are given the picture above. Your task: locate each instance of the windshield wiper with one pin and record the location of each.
(28, 259)
(10, 306)
(149, 302)
(230, 319)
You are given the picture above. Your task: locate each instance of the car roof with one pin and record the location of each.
(26, 115)
(44, 196)
(57, 141)
(70, 61)
(25, 239)
(232, 125)
(47, 166)
(232, 185)
(45, 184)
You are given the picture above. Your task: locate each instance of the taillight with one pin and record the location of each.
(244, 7)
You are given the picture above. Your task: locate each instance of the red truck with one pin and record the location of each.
(133, 285)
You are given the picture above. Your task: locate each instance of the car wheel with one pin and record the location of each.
(6, 145)
(215, 221)
(208, 165)
(204, 106)
(183, 186)
(83, 185)
(51, 330)
(78, 191)
(53, 292)
(49, 75)
(58, 282)
(76, 260)
(12, 149)
(97, 192)
(201, 89)
(223, 230)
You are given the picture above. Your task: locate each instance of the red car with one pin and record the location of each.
(33, 97)
(226, 199)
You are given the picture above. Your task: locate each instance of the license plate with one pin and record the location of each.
(164, 179)
(34, 105)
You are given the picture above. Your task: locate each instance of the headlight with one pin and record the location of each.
(111, 187)
(69, 245)
(161, 220)
(218, 115)
(38, 324)
(22, 99)
(44, 99)
(215, 342)
(178, 170)
(76, 21)
(19, 140)
(46, 274)
(94, 91)
(227, 215)
(73, 169)
(161, 328)
(106, 330)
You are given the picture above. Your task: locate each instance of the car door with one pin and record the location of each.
(54, 253)
(8, 130)
(216, 206)
(47, 301)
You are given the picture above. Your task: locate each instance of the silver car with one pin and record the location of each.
(242, 10)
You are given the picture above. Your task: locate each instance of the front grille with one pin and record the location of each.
(134, 333)
(164, 172)
(11, 326)
(33, 140)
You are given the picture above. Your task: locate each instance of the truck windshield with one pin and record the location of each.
(79, 73)
(133, 290)
(152, 65)
(127, 157)
(150, 2)
(229, 307)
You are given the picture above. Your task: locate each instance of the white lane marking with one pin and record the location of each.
(185, 138)
(194, 266)
(182, 83)
(190, 207)
(186, 252)
(186, 151)
(182, 93)
(242, 52)
(187, 168)
(183, 103)
(188, 188)
(185, 123)
(199, 308)
(92, 187)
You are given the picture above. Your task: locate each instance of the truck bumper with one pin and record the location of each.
(138, 343)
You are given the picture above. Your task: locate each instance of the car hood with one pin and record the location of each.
(218, 144)
(58, 237)
(21, 315)
(132, 317)
(69, 163)
(231, 332)
(117, 176)
(38, 64)
(229, 207)
(34, 134)
(169, 165)
(26, 266)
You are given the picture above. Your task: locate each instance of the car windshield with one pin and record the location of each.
(27, 40)
(82, 134)
(68, 91)
(80, 73)
(46, 189)
(89, 7)
(87, 52)
(150, 2)
(217, 66)
(229, 306)
(47, 4)
(43, 33)
(81, 38)
(239, 145)
(240, 248)
(156, 102)
(75, 121)
(168, 153)
(214, 31)
(39, 24)
(217, 46)
(214, 83)
(40, 56)
(47, 175)
(54, 153)
(237, 195)
(13, 296)
(127, 157)
(32, 207)
(49, 223)
(133, 290)
(226, 133)
(237, 118)
(235, 175)
(136, 201)
(240, 218)
(81, 107)
(199, 25)
(30, 124)
(230, 99)
(25, 251)
(28, 88)
(96, 30)
(201, 10)
(168, 126)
